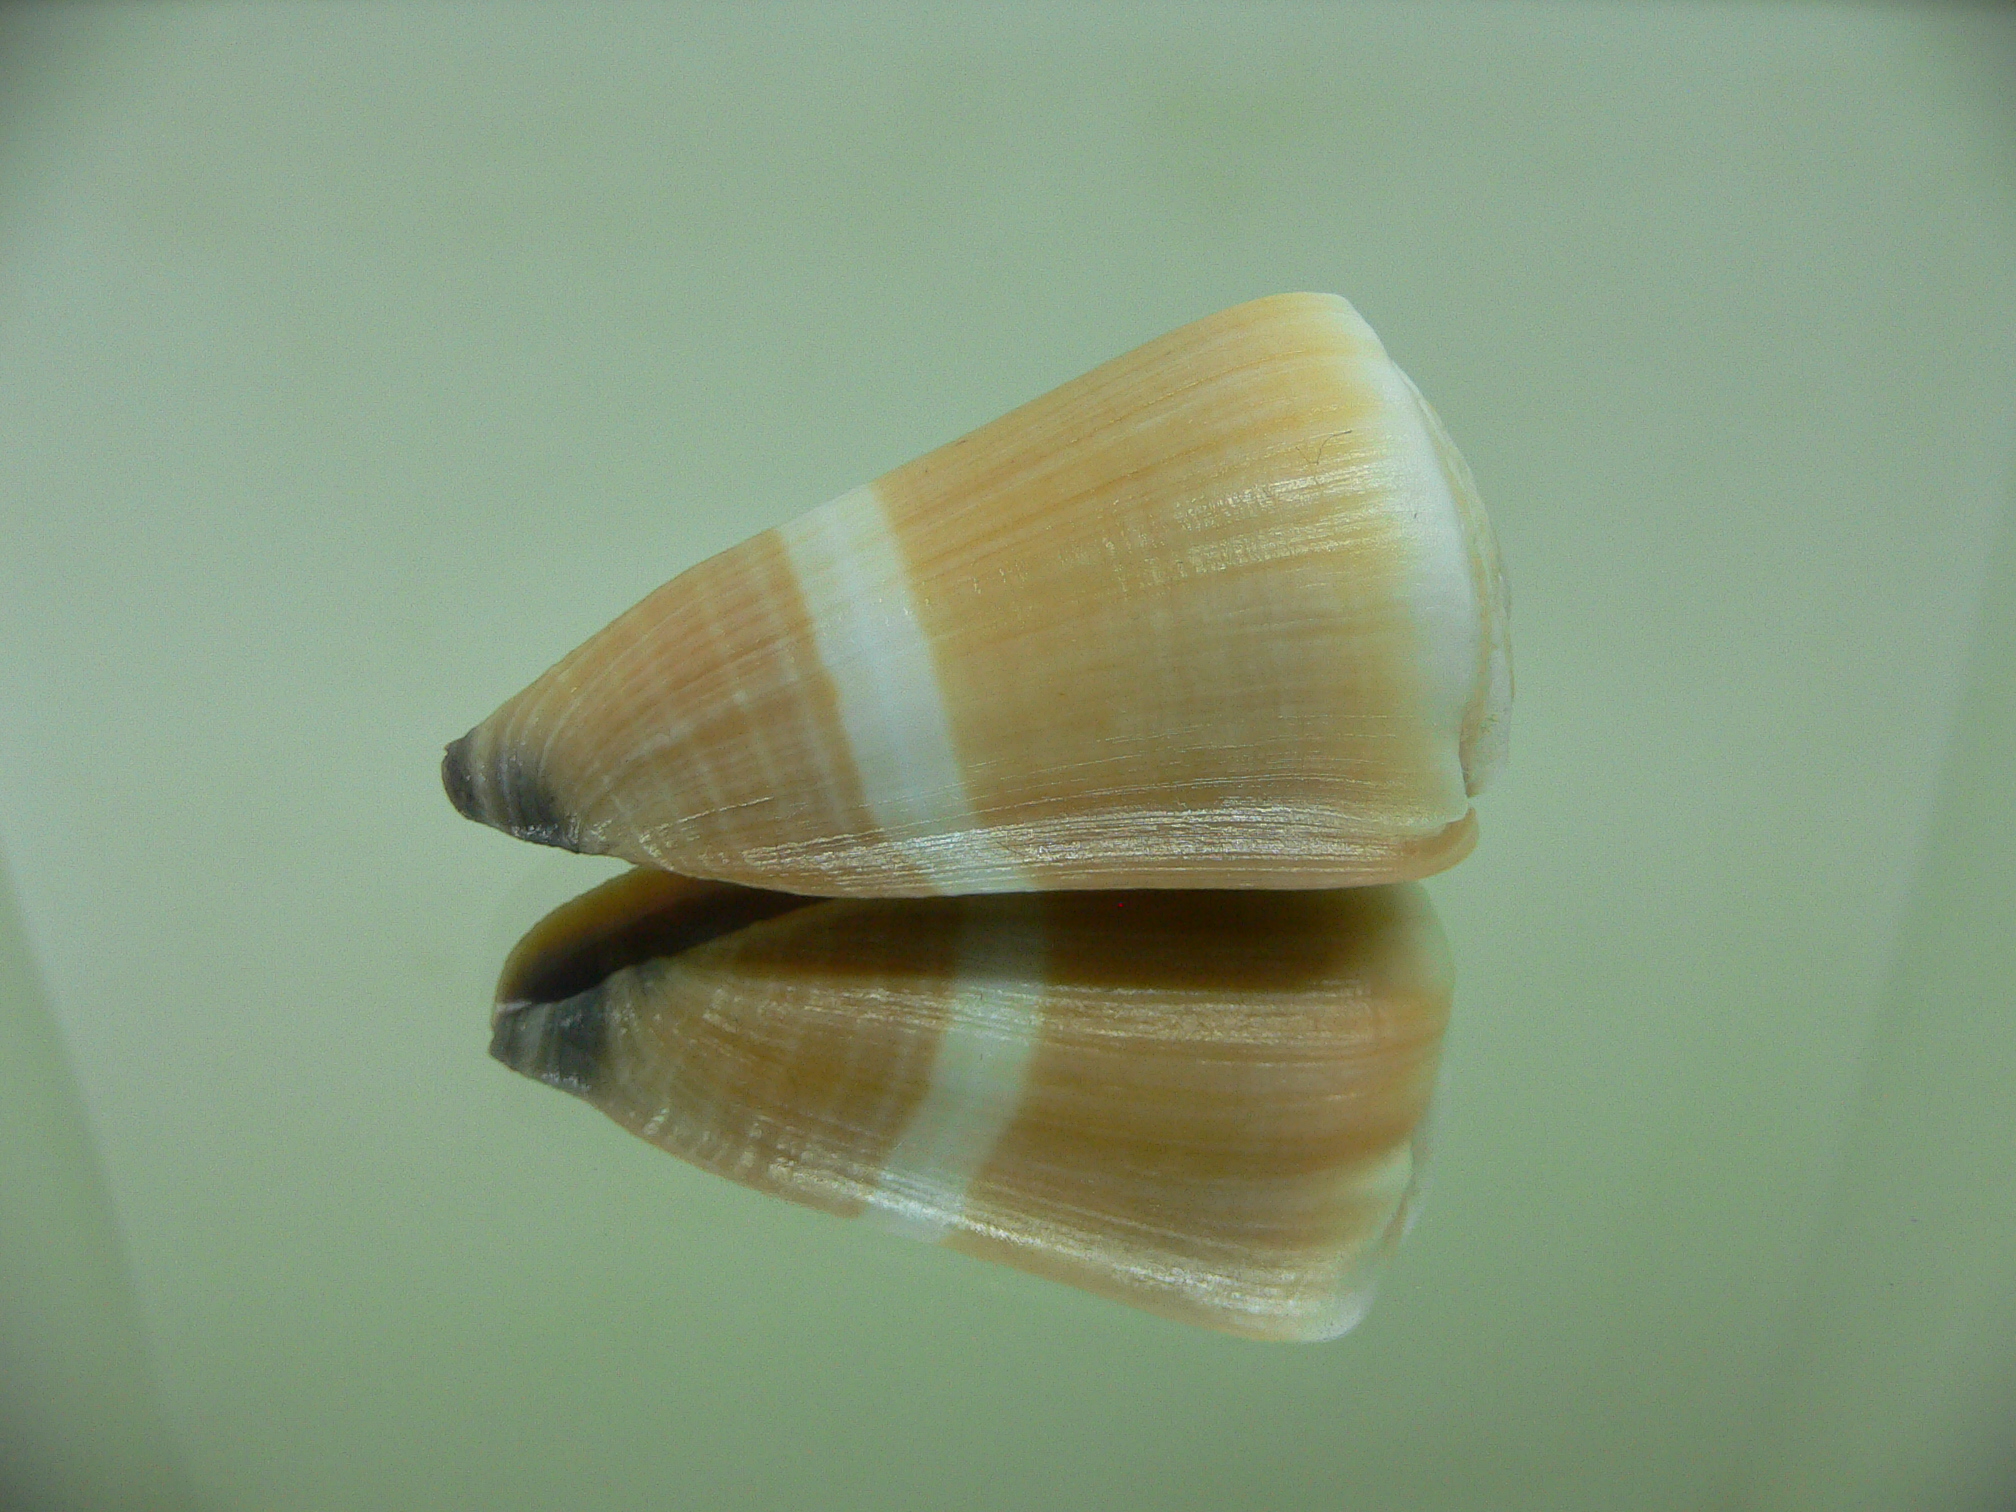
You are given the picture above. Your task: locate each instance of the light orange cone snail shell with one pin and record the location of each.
(1220, 624)
(1224, 612)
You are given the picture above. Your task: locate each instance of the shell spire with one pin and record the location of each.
(1223, 613)
(1206, 1105)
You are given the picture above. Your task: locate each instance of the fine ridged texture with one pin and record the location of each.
(1205, 1105)
(1223, 613)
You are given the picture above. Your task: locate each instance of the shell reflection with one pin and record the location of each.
(1203, 1104)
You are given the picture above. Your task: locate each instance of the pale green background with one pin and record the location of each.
(355, 362)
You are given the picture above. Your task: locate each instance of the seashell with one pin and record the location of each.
(1207, 1105)
(1224, 612)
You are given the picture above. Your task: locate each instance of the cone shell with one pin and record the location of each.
(1206, 1105)
(1224, 612)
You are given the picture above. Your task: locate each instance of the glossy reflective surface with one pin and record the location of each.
(325, 332)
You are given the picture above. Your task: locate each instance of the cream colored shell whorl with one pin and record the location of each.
(1222, 613)
(1206, 1105)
